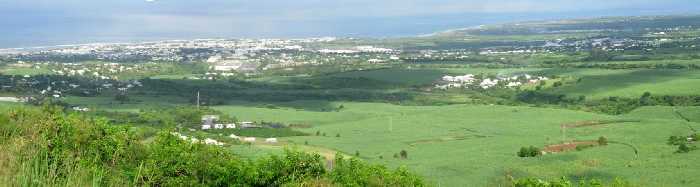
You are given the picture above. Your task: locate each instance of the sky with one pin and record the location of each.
(25, 23)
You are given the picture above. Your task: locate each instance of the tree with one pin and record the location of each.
(683, 148)
(523, 152)
(531, 151)
(122, 98)
(403, 154)
(602, 140)
(646, 99)
(557, 84)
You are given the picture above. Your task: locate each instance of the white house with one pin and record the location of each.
(488, 83)
(231, 126)
(205, 127)
(514, 84)
(210, 141)
(218, 126)
(249, 139)
(233, 136)
(271, 140)
(468, 78)
(448, 78)
(81, 109)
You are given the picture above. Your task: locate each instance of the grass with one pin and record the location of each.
(457, 145)
(598, 84)
(465, 144)
(398, 76)
(24, 71)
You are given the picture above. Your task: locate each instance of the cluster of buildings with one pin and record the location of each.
(213, 122)
(207, 141)
(244, 56)
(474, 81)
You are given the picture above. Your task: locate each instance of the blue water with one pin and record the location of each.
(57, 28)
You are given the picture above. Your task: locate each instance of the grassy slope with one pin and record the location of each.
(476, 145)
(597, 84)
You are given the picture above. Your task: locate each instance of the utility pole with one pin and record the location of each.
(563, 133)
(391, 123)
(197, 99)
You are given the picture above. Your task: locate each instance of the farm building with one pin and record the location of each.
(205, 127)
(210, 141)
(208, 121)
(271, 140)
(248, 124)
(249, 139)
(231, 126)
(233, 136)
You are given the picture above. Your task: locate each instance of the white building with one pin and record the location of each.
(271, 140)
(233, 136)
(205, 127)
(231, 126)
(488, 83)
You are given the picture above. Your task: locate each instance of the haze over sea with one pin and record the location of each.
(33, 23)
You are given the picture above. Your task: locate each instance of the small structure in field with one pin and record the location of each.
(208, 121)
(248, 124)
(271, 140)
(231, 126)
(233, 136)
(81, 109)
(249, 139)
(218, 126)
(210, 141)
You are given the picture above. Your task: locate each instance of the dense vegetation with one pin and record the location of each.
(628, 95)
(48, 147)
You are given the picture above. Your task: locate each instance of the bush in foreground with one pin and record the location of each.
(50, 148)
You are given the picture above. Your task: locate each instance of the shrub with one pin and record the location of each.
(531, 151)
(683, 148)
(71, 150)
(403, 154)
(564, 182)
(353, 172)
(602, 140)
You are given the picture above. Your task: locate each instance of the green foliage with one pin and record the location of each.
(602, 140)
(122, 98)
(71, 150)
(683, 148)
(403, 154)
(531, 151)
(564, 182)
(353, 172)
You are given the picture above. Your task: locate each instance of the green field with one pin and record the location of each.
(599, 84)
(470, 144)
(462, 144)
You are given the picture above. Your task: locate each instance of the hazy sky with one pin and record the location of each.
(48, 22)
